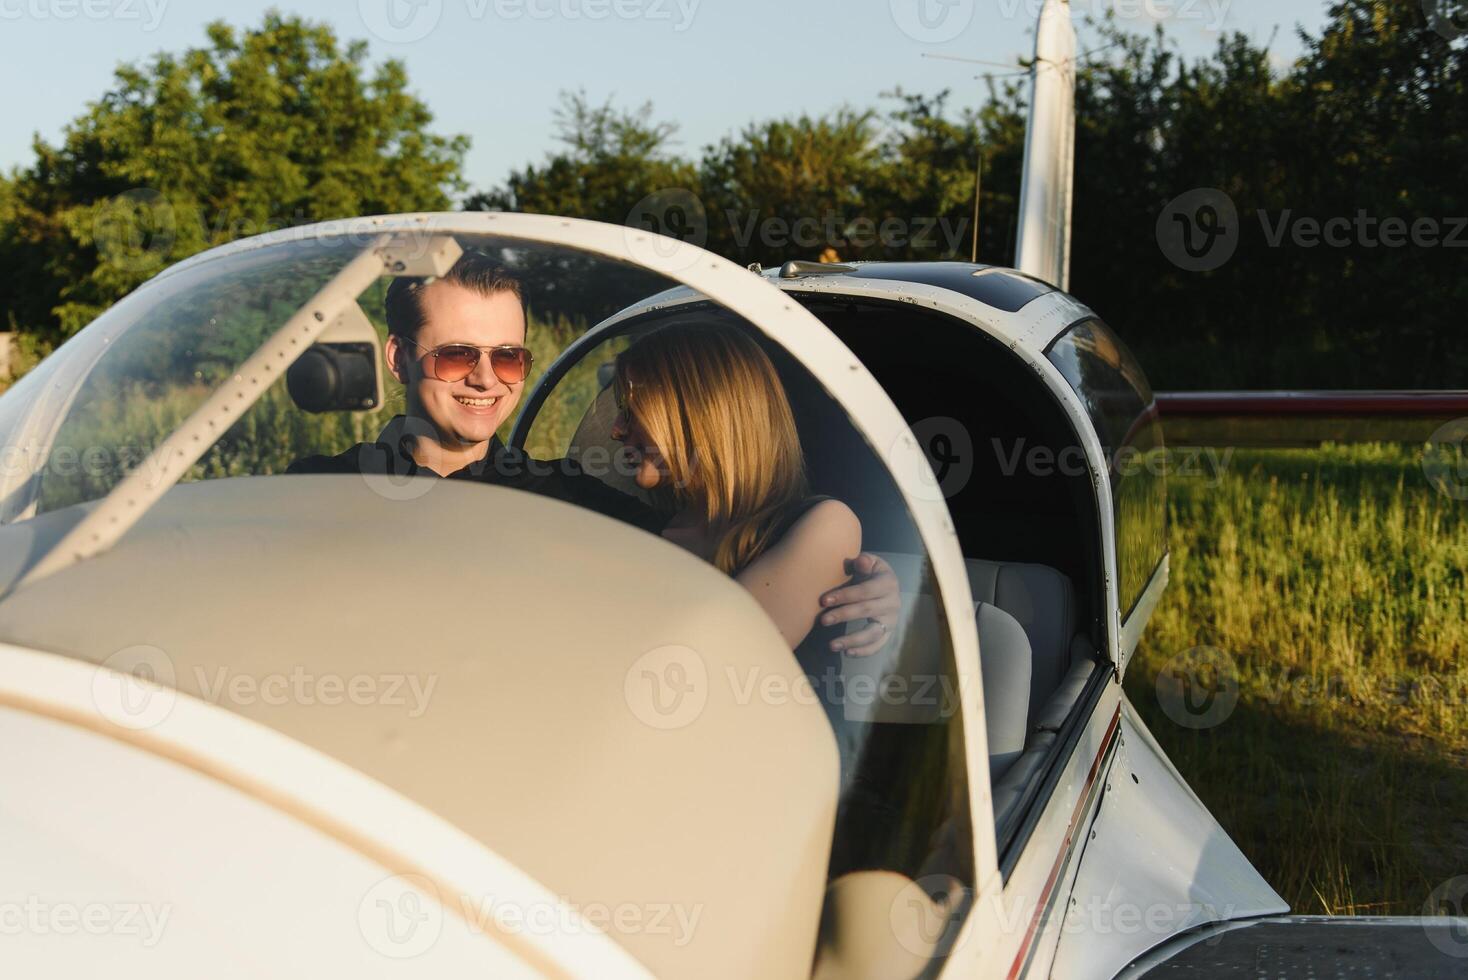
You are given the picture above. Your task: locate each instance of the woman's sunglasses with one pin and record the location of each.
(455, 362)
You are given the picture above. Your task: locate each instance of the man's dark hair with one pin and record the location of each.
(474, 270)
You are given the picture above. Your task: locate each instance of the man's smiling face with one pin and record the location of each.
(463, 413)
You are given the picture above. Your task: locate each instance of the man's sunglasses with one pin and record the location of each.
(455, 362)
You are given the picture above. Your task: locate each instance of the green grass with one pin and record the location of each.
(1334, 580)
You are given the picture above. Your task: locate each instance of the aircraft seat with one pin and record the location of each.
(1043, 600)
(1005, 663)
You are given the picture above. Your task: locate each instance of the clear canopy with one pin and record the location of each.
(128, 391)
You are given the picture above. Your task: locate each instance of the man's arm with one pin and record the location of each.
(872, 594)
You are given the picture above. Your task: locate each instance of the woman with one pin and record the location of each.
(704, 413)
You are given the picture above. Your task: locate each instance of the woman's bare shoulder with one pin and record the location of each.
(829, 522)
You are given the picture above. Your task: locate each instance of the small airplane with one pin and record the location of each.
(385, 725)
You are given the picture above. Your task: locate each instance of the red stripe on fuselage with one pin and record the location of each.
(1075, 818)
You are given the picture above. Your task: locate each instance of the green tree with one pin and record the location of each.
(1372, 119)
(7, 230)
(760, 185)
(928, 168)
(610, 161)
(1151, 127)
(1383, 98)
(615, 166)
(1370, 122)
(260, 129)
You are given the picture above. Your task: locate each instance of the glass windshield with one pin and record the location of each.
(94, 410)
(1107, 377)
(688, 422)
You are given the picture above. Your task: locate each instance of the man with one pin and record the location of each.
(457, 345)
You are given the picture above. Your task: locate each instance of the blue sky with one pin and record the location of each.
(492, 68)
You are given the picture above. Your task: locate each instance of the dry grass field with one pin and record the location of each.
(1333, 583)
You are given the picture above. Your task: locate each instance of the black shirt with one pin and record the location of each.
(562, 479)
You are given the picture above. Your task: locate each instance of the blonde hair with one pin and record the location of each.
(709, 398)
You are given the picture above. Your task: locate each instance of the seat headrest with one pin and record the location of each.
(1005, 657)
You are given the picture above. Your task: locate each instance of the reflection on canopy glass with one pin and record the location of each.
(140, 370)
(687, 422)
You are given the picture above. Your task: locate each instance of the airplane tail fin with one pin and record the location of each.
(1046, 190)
